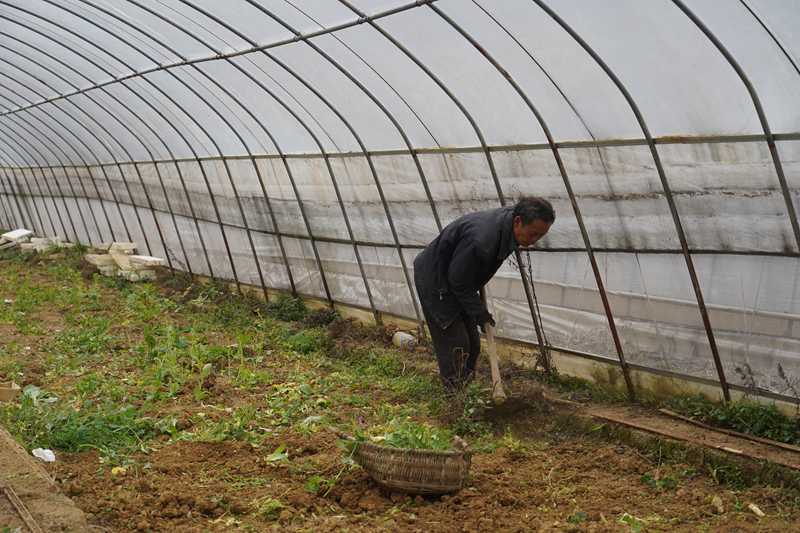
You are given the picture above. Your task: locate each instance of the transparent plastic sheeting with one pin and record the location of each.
(319, 145)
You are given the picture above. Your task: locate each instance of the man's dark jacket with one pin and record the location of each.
(451, 270)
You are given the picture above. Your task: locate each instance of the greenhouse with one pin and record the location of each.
(280, 165)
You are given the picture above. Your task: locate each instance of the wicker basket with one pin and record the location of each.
(414, 471)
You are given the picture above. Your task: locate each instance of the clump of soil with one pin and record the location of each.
(348, 331)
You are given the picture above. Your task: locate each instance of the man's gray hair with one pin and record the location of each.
(531, 208)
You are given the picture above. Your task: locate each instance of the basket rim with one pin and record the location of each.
(414, 451)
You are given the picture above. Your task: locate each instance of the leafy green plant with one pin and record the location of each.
(577, 517)
(470, 405)
(659, 483)
(40, 422)
(321, 317)
(406, 433)
(746, 416)
(287, 308)
(268, 508)
(635, 524)
(307, 341)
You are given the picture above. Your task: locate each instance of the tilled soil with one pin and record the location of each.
(548, 484)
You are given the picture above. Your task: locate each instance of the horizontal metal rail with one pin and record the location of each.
(561, 145)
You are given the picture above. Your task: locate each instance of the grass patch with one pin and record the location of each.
(41, 420)
(745, 416)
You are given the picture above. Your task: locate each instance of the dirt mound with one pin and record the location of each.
(50, 509)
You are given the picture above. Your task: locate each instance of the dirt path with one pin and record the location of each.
(51, 510)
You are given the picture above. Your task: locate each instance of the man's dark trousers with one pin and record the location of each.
(457, 348)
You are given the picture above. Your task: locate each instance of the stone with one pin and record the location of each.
(18, 235)
(122, 260)
(100, 260)
(756, 510)
(43, 244)
(28, 247)
(109, 271)
(146, 261)
(127, 248)
(101, 248)
(716, 503)
(137, 275)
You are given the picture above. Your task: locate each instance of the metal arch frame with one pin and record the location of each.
(107, 92)
(16, 179)
(563, 95)
(126, 127)
(373, 69)
(110, 152)
(251, 156)
(225, 163)
(281, 153)
(478, 133)
(168, 97)
(274, 44)
(406, 140)
(31, 168)
(53, 201)
(58, 185)
(43, 201)
(32, 199)
(665, 185)
(762, 117)
(135, 136)
(63, 166)
(21, 195)
(362, 146)
(14, 195)
(4, 205)
(567, 185)
(80, 141)
(7, 222)
(322, 150)
(772, 35)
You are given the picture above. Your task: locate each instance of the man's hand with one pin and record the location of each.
(486, 318)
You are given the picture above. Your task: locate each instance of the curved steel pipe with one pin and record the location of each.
(664, 184)
(567, 185)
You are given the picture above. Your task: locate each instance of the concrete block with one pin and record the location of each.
(18, 235)
(146, 261)
(42, 244)
(122, 248)
(122, 261)
(27, 247)
(137, 275)
(9, 391)
(100, 260)
(101, 248)
(109, 271)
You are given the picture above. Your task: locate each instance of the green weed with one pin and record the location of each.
(743, 415)
(287, 308)
(40, 420)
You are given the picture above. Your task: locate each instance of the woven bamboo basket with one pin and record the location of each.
(414, 471)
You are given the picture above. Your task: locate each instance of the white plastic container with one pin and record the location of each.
(401, 339)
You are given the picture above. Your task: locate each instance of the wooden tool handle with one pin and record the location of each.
(498, 393)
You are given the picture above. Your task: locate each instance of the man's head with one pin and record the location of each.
(533, 217)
